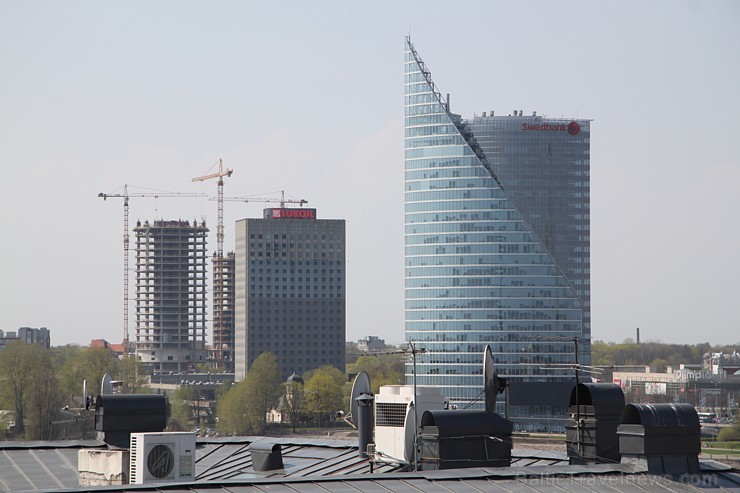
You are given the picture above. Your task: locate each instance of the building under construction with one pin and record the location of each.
(171, 294)
(223, 311)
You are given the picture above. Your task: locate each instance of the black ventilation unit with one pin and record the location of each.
(119, 415)
(591, 431)
(266, 456)
(663, 438)
(460, 439)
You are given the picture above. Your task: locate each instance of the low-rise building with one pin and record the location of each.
(371, 343)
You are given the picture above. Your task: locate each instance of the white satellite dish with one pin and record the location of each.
(85, 397)
(106, 386)
(493, 384)
(360, 386)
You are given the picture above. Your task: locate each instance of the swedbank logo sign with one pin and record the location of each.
(573, 128)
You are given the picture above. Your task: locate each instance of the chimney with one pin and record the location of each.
(364, 422)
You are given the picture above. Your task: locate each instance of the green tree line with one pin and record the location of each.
(654, 354)
(326, 390)
(37, 383)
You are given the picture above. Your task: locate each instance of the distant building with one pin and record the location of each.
(497, 249)
(29, 335)
(117, 349)
(222, 349)
(290, 291)
(688, 384)
(722, 364)
(371, 343)
(171, 294)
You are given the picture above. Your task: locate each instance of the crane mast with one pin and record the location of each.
(222, 322)
(220, 226)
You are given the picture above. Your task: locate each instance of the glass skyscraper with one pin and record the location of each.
(497, 250)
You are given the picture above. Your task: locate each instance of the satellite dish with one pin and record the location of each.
(409, 452)
(85, 396)
(360, 386)
(106, 386)
(493, 384)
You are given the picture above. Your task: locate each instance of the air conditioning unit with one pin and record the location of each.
(162, 457)
(394, 418)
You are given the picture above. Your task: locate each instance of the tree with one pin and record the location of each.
(181, 417)
(88, 364)
(44, 400)
(324, 390)
(262, 389)
(232, 418)
(131, 372)
(295, 397)
(729, 434)
(18, 364)
(243, 410)
(383, 369)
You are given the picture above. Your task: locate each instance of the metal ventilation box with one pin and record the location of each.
(466, 438)
(162, 457)
(591, 430)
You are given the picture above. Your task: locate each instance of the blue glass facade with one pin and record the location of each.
(477, 271)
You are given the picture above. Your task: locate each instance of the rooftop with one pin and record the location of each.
(326, 465)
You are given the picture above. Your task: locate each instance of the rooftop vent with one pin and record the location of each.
(465, 438)
(119, 415)
(663, 438)
(591, 430)
(266, 456)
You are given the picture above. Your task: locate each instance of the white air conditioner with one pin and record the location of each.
(394, 418)
(162, 457)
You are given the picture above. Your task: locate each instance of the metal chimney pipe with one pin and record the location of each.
(364, 423)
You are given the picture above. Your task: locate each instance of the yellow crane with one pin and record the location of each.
(220, 225)
(126, 196)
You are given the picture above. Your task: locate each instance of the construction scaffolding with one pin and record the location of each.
(171, 294)
(223, 311)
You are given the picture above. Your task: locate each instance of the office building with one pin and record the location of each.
(171, 294)
(497, 249)
(290, 291)
(28, 335)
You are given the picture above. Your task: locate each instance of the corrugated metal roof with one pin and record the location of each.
(224, 465)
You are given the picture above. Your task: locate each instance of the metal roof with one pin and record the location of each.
(223, 465)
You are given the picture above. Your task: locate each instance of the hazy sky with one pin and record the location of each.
(307, 97)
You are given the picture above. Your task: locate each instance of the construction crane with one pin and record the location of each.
(220, 226)
(221, 324)
(126, 196)
(282, 200)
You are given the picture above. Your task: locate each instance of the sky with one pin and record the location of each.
(307, 97)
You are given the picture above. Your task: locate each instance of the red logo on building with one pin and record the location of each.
(294, 213)
(573, 128)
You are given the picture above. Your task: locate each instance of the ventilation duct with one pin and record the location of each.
(662, 438)
(266, 456)
(461, 439)
(591, 431)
